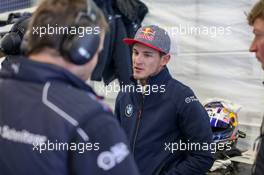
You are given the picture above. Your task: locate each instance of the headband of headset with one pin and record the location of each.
(81, 49)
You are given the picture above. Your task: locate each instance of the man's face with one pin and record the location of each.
(257, 45)
(147, 61)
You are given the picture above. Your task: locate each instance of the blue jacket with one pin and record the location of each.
(156, 123)
(52, 123)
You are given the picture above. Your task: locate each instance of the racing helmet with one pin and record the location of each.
(223, 120)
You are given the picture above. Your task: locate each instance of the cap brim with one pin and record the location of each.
(133, 41)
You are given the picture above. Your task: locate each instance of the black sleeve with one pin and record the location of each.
(110, 155)
(195, 127)
(259, 169)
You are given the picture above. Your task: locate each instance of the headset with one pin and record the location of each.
(80, 50)
(10, 43)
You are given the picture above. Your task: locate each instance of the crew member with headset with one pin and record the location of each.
(51, 121)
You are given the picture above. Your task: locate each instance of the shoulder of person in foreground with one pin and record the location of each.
(110, 152)
(102, 144)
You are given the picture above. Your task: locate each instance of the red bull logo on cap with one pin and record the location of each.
(147, 33)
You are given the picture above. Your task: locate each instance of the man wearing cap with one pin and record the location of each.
(256, 20)
(164, 114)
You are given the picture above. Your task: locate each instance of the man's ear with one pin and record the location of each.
(165, 59)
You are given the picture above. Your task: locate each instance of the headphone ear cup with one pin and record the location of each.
(10, 43)
(81, 50)
(24, 44)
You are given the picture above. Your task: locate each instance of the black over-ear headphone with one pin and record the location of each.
(10, 43)
(80, 50)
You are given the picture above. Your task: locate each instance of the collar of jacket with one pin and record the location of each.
(27, 70)
(151, 99)
(160, 78)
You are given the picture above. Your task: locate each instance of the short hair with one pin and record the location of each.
(59, 13)
(161, 54)
(256, 12)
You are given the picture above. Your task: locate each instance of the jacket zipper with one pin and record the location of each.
(138, 124)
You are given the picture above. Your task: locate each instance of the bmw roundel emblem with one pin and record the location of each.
(129, 110)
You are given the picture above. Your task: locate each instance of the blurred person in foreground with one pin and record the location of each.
(256, 20)
(51, 121)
